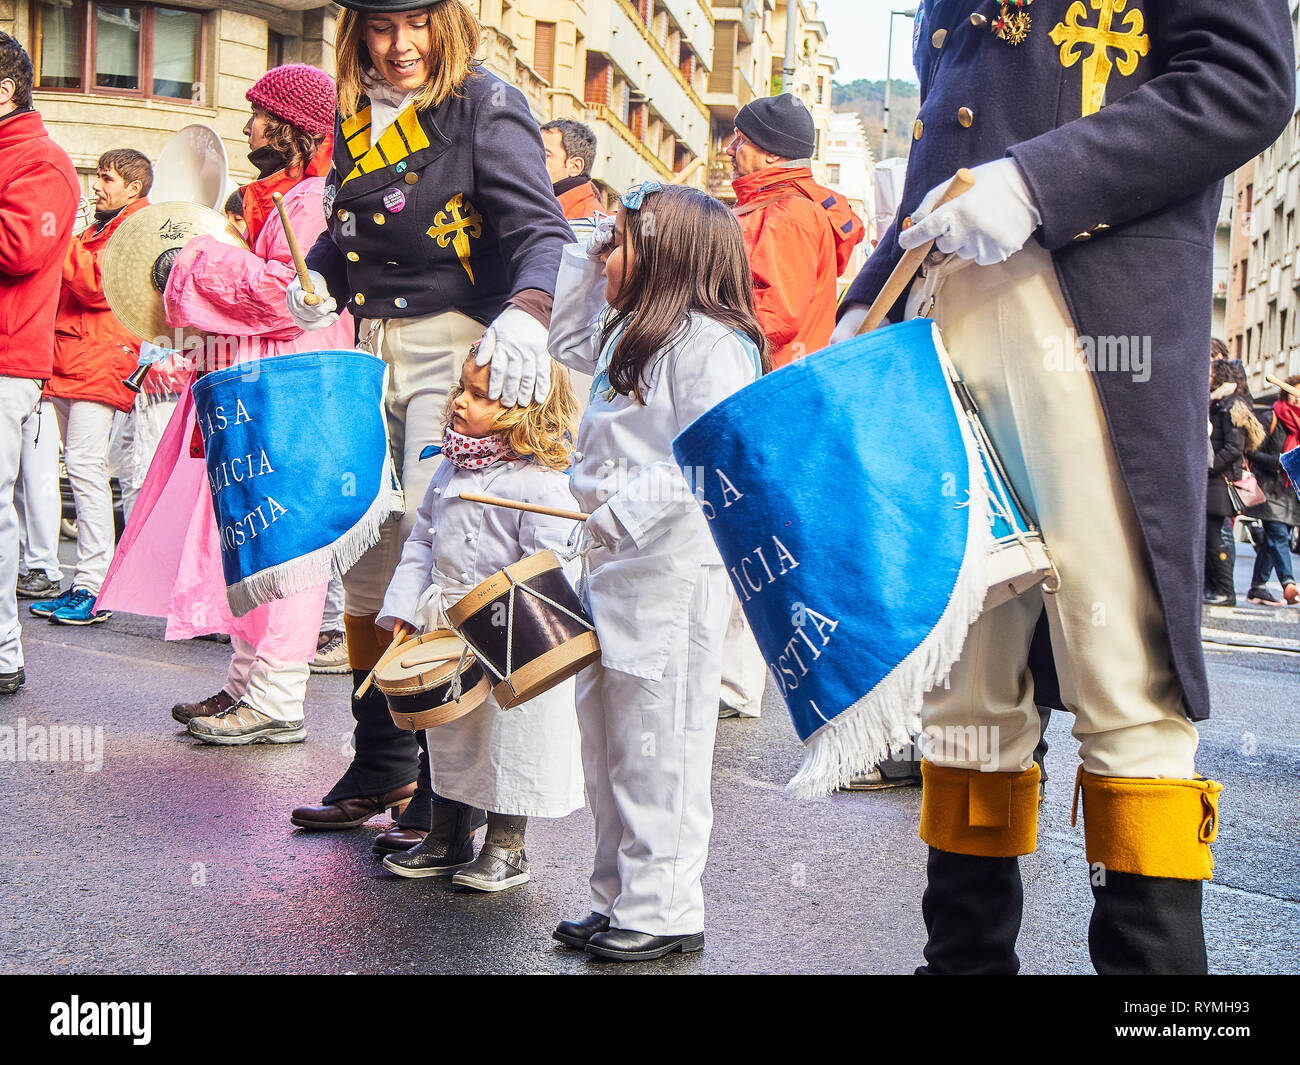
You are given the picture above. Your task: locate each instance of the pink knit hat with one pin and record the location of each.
(301, 95)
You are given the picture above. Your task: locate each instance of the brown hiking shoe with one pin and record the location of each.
(213, 704)
(242, 724)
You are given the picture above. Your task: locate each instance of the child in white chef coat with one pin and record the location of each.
(518, 763)
(661, 313)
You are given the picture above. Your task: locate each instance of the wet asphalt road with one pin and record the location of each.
(179, 858)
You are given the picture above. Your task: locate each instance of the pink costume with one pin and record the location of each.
(168, 563)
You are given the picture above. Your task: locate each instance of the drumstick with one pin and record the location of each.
(912, 259)
(532, 508)
(364, 686)
(429, 659)
(1282, 385)
(309, 295)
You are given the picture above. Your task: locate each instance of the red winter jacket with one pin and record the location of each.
(580, 201)
(93, 351)
(800, 237)
(39, 191)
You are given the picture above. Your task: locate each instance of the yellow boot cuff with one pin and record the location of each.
(1147, 826)
(364, 645)
(993, 815)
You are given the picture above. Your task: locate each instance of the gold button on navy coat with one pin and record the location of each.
(1131, 111)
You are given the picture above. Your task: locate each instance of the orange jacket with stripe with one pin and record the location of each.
(800, 237)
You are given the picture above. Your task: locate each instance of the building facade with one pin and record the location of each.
(1262, 277)
(659, 81)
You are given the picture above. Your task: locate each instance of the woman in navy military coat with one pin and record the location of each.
(442, 228)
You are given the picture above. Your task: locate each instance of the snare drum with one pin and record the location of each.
(1018, 558)
(431, 680)
(527, 628)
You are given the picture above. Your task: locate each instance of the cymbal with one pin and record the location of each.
(137, 258)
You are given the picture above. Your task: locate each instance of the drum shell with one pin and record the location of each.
(547, 646)
(425, 700)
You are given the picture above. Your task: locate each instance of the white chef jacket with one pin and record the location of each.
(522, 761)
(639, 593)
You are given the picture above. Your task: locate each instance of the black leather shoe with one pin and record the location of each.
(623, 944)
(576, 933)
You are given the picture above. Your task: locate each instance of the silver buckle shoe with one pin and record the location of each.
(495, 869)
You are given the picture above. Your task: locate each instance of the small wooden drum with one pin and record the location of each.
(527, 628)
(431, 680)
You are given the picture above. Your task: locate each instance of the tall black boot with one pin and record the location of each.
(1147, 841)
(384, 756)
(977, 825)
(419, 814)
(1146, 924)
(972, 908)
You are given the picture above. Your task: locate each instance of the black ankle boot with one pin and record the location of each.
(1146, 924)
(448, 846)
(972, 907)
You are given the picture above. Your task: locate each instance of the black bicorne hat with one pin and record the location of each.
(386, 7)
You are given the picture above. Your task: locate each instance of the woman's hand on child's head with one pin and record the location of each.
(601, 240)
(402, 631)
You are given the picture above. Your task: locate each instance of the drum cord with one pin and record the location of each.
(510, 623)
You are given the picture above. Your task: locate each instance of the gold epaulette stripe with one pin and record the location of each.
(404, 137)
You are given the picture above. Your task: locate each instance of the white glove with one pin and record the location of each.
(428, 611)
(850, 322)
(601, 239)
(989, 223)
(311, 317)
(604, 528)
(515, 345)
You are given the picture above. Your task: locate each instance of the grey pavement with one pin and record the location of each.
(179, 858)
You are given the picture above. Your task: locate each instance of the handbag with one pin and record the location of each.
(1245, 492)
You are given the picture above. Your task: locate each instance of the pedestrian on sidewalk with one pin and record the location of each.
(1234, 429)
(1280, 512)
(169, 564)
(39, 191)
(93, 352)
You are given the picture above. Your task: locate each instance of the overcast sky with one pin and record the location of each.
(858, 32)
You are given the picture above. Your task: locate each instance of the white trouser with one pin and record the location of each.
(1003, 327)
(36, 495)
(332, 619)
(277, 689)
(18, 396)
(424, 357)
(647, 755)
(744, 672)
(85, 427)
(141, 433)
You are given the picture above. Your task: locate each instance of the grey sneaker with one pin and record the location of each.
(331, 653)
(495, 869)
(36, 585)
(241, 724)
(209, 707)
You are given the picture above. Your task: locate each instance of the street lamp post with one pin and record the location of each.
(889, 58)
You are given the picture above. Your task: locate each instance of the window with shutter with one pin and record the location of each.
(544, 50)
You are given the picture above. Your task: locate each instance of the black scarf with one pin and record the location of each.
(102, 218)
(267, 160)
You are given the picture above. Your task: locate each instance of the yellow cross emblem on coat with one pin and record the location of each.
(455, 224)
(1130, 44)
